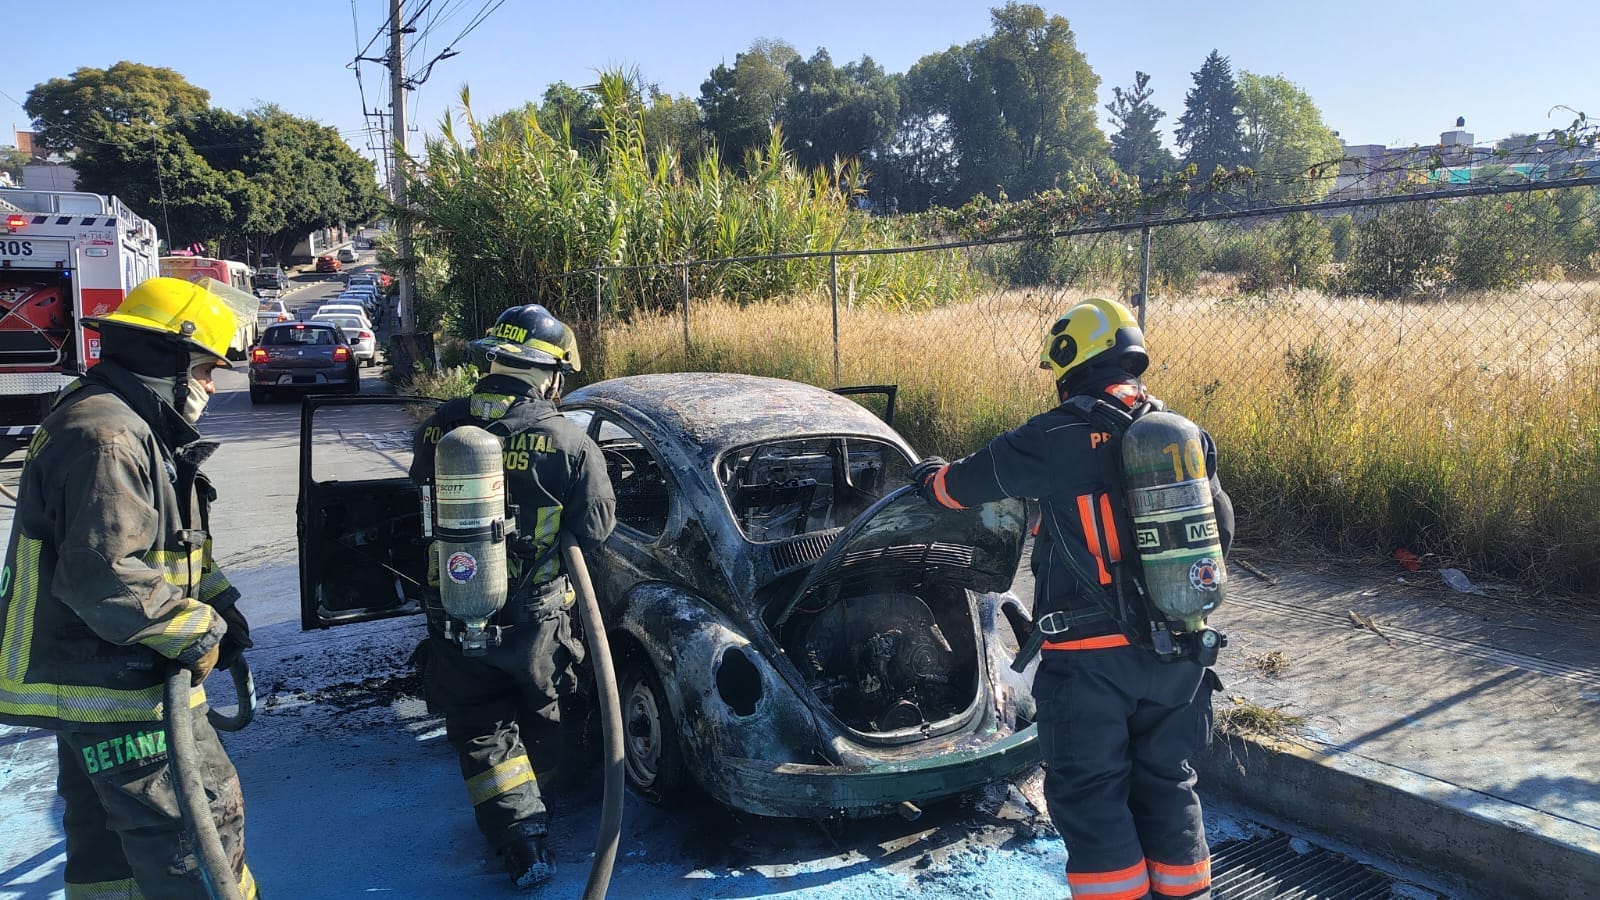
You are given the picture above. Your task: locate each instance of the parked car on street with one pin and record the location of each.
(346, 255)
(794, 630)
(300, 357)
(327, 264)
(272, 312)
(360, 332)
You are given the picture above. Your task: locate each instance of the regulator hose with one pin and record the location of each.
(193, 805)
(244, 687)
(605, 676)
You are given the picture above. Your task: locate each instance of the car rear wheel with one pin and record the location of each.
(258, 395)
(651, 754)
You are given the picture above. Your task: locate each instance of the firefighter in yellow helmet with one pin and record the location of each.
(109, 582)
(1118, 721)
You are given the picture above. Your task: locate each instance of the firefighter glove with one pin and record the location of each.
(200, 668)
(235, 640)
(922, 476)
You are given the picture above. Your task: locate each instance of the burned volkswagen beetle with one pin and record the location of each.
(794, 630)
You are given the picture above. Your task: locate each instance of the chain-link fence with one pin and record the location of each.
(1418, 371)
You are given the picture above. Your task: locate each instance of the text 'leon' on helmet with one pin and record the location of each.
(199, 315)
(530, 337)
(1094, 333)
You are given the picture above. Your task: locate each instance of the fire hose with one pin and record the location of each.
(216, 872)
(244, 687)
(610, 830)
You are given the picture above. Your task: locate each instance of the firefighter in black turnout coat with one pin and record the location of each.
(557, 479)
(1117, 724)
(109, 582)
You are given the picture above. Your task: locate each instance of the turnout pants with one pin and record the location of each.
(482, 699)
(1117, 728)
(125, 837)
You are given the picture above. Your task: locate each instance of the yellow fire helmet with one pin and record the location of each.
(203, 314)
(1094, 329)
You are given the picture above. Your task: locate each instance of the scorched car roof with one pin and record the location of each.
(716, 410)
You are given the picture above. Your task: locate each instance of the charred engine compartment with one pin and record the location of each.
(888, 661)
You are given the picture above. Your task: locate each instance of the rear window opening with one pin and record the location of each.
(783, 489)
(299, 334)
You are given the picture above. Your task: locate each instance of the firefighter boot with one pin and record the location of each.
(528, 862)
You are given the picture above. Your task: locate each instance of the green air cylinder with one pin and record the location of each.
(1174, 525)
(469, 531)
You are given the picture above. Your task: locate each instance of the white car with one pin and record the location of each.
(343, 309)
(346, 255)
(271, 312)
(363, 340)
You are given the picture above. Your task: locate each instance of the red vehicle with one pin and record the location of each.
(230, 272)
(64, 255)
(328, 264)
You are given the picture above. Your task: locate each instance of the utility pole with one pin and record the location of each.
(397, 86)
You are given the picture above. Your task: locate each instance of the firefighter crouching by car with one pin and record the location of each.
(1118, 721)
(555, 476)
(109, 580)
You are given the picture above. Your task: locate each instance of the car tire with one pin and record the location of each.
(652, 755)
(258, 396)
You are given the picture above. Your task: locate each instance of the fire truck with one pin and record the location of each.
(63, 256)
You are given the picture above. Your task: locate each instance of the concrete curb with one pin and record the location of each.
(1494, 847)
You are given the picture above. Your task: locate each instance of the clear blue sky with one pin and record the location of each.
(1381, 72)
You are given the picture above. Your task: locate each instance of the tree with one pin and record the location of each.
(1209, 129)
(1294, 155)
(12, 161)
(1017, 106)
(577, 109)
(1136, 147)
(838, 113)
(742, 103)
(674, 122)
(86, 108)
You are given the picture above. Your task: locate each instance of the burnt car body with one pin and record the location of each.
(793, 629)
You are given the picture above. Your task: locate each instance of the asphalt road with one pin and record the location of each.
(351, 788)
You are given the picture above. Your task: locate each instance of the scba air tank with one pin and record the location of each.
(469, 529)
(1174, 524)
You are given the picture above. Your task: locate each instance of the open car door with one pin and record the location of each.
(359, 519)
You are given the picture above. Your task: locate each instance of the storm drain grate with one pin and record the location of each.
(1281, 868)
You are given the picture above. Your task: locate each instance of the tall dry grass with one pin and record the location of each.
(1467, 428)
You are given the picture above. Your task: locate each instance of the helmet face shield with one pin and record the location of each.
(202, 315)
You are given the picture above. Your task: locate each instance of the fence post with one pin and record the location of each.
(1144, 273)
(685, 309)
(833, 290)
(597, 299)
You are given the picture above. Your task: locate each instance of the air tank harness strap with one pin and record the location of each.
(1051, 625)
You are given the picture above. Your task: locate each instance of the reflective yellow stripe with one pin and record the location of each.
(545, 526)
(181, 568)
(68, 702)
(247, 884)
(19, 613)
(121, 889)
(181, 631)
(512, 773)
(211, 587)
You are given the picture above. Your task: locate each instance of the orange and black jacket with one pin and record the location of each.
(1055, 458)
(109, 576)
